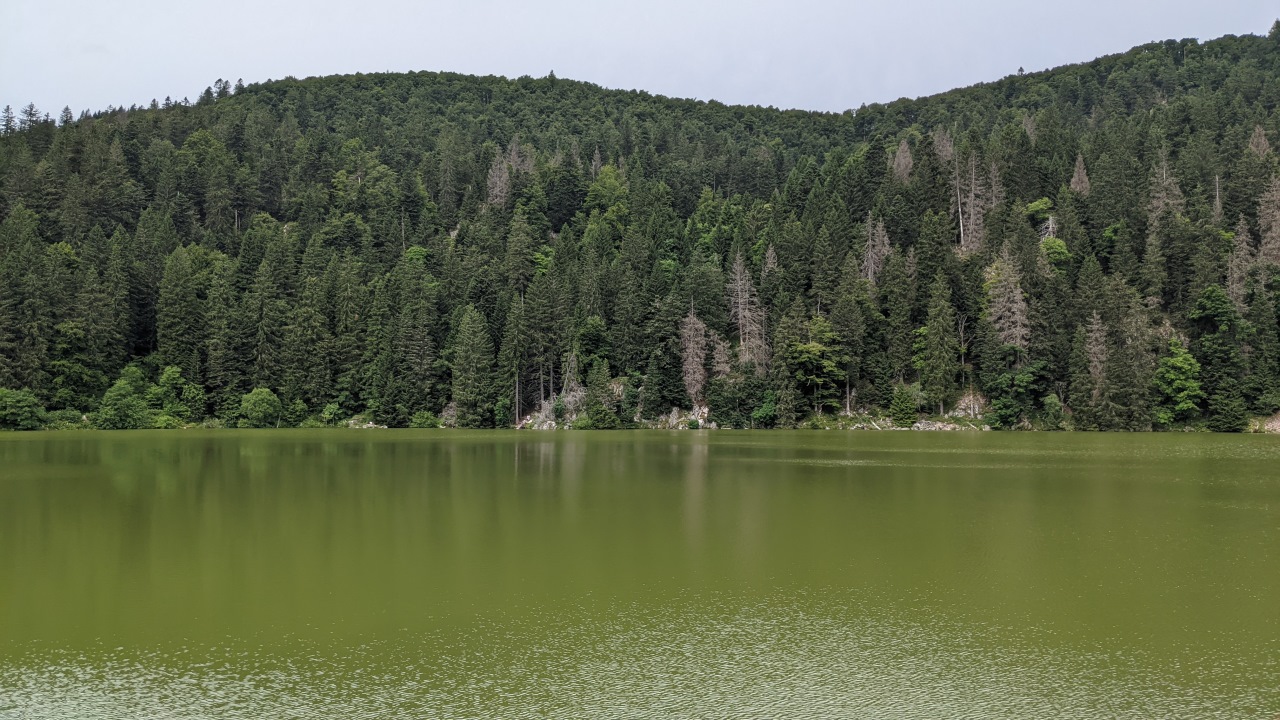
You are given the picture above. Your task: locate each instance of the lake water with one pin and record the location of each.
(438, 574)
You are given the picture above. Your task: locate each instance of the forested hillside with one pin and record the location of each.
(1091, 247)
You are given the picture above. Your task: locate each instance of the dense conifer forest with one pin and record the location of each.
(1091, 247)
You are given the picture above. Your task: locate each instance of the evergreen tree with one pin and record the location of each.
(1216, 344)
(1177, 384)
(939, 363)
(472, 365)
(601, 403)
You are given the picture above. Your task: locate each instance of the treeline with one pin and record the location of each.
(1091, 247)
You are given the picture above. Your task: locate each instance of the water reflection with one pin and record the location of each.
(335, 574)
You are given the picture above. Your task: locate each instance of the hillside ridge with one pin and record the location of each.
(1095, 246)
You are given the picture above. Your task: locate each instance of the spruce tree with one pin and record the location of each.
(472, 366)
(940, 361)
(1216, 344)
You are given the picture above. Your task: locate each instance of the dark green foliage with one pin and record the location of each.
(939, 363)
(472, 366)
(1217, 329)
(903, 409)
(601, 401)
(407, 246)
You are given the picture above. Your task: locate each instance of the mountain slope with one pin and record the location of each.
(1094, 246)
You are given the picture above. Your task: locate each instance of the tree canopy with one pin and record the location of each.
(1098, 242)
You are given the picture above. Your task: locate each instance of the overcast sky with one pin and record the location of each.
(804, 53)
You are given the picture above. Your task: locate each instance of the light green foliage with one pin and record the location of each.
(173, 397)
(425, 419)
(815, 357)
(1055, 251)
(1039, 209)
(20, 410)
(124, 407)
(1177, 384)
(260, 408)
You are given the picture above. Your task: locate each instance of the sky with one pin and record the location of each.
(90, 54)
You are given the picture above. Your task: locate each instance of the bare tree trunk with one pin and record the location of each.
(693, 350)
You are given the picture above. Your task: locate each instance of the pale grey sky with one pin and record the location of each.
(804, 53)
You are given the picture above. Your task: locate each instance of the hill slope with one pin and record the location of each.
(1095, 246)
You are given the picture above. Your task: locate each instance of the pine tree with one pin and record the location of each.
(1091, 399)
(1216, 344)
(1006, 304)
(472, 366)
(940, 361)
(1262, 384)
(601, 403)
(181, 328)
(897, 300)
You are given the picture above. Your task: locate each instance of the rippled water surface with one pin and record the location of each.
(432, 574)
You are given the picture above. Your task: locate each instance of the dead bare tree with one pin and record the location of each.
(745, 311)
(498, 183)
(519, 157)
(943, 145)
(1029, 126)
(996, 192)
(877, 250)
(1166, 196)
(1217, 199)
(1080, 178)
(1258, 144)
(770, 264)
(1006, 304)
(1049, 228)
(693, 351)
(1269, 224)
(1239, 263)
(1096, 352)
(973, 199)
(903, 162)
(720, 363)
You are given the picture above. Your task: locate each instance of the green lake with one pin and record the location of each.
(441, 574)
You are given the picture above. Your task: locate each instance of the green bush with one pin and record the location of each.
(260, 408)
(123, 407)
(425, 419)
(20, 410)
(166, 422)
(65, 420)
(331, 414)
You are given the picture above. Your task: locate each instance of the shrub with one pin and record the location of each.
(166, 422)
(425, 419)
(260, 408)
(68, 419)
(123, 407)
(20, 410)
